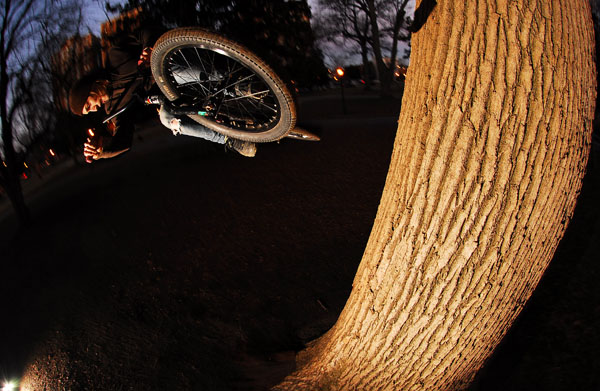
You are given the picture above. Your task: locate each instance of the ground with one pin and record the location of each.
(182, 266)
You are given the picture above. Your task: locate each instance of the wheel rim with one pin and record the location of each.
(223, 90)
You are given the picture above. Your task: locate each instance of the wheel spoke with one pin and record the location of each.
(231, 85)
(247, 96)
(187, 72)
(242, 100)
(189, 68)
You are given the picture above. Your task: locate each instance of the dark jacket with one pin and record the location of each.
(126, 83)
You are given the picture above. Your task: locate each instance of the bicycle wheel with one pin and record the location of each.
(232, 90)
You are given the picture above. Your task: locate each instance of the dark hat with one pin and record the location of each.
(80, 91)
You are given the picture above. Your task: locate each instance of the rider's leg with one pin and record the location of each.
(188, 127)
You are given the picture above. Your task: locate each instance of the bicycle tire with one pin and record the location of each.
(278, 115)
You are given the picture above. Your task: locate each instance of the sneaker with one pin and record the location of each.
(244, 148)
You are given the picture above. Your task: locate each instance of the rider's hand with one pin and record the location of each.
(144, 60)
(92, 150)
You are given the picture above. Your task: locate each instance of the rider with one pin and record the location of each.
(125, 76)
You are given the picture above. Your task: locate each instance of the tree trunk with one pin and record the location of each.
(398, 23)
(384, 73)
(366, 73)
(10, 174)
(15, 194)
(492, 143)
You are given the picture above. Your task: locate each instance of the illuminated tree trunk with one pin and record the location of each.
(492, 143)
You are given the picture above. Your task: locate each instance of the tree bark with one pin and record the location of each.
(491, 148)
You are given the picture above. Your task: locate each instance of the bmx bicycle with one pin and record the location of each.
(224, 86)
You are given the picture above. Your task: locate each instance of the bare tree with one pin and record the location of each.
(492, 144)
(395, 27)
(29, 33)
(377, 25)
(348, 21)
(393, 13)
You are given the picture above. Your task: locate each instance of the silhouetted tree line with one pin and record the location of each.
(278, 31)
(31, 31)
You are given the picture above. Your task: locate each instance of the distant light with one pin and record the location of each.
(52, 152)
(9, 386)
(4, 163)
(25, 164)
(91, 132)
(340, 71)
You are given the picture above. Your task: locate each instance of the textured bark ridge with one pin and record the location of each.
(492, 144)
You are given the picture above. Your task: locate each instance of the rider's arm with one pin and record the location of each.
(116, 141)
(94, 153)
(147, 37)
(111, 154)
(93, 150)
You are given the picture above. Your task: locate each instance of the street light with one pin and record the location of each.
(339, 71)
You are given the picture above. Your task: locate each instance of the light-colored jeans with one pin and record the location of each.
(188, 127)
